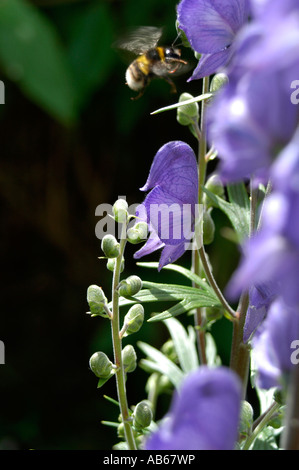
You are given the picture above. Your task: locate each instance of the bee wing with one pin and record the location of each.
(140, 40)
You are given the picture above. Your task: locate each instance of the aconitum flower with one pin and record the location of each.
(210, 27)
(275, 345)
(169, 208)
(204, 414)
(253, 117)
(272, 255)
(260, 299)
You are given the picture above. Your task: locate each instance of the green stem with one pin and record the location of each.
(262, 423)
(117, 347)
(290, 438)
(199, 317)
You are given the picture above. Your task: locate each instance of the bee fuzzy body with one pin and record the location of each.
(153, 61)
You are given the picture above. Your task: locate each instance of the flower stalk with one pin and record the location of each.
(117, 347)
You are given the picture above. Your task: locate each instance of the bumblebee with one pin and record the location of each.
(152, 61)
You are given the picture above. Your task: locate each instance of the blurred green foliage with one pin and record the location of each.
(71, 139)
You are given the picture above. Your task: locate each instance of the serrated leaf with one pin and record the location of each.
(239, 215)
(184, 345)
(160, 363)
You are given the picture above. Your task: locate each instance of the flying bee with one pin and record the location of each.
(152, 61)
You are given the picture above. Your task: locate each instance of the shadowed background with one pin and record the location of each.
(71, 139)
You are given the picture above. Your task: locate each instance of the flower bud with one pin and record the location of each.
(208, 228)
(120, 210)
(130, 286)
(143, 415)
(246, 419)
(111, 264)
(100, 365)
(169, 350)
(134, 319)
(110, 246)
(218, 81)
(137, 233)
(213, 314)
(96, 300)
(189, 113)
(129, 358)
(215, 186)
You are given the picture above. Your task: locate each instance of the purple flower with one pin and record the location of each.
(272, 255)
(210, 27)
(253, 118)
(204, 415)
(260, 299)
(169, 208)
(274, 344)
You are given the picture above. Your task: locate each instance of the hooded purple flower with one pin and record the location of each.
(274, 344)
(210, 27)
(169, 208)
(272, 255)
(204, 415)
(253, 118)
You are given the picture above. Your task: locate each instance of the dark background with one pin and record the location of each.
(64, 151)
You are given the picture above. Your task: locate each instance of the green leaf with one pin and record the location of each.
(158, 362)
(237, 211)
(184, 344)
(265, 440)
(90, 60)
(32, 56)
(179, 269)
(211, 351)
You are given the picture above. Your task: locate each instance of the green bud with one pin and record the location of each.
(215, 186)
(110, 246)
(218, 81)
(189, 113)
(279, 396)
(246, 419)
(137, 233)
(208, 228)
(120, 210)
(96, 300)
(143, 415)
(101, 365)
(129, 358)
(134, 319)
(130, 286)
(121, 430)
(111, 264)
(169, 350)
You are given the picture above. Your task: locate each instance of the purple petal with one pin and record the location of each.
(260, 299)
(211, 25)
(170, 254)
(204, 415)
(152, 244)
(211, 63)
(175, 170)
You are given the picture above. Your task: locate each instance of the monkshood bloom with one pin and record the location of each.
(253, 117)
(211, 27)
(260, 299)
(275, 345)
(272, 255)
(169, 208)
(204, 415)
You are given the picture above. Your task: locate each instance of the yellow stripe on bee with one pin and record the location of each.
(160, 51)
(143, 64)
